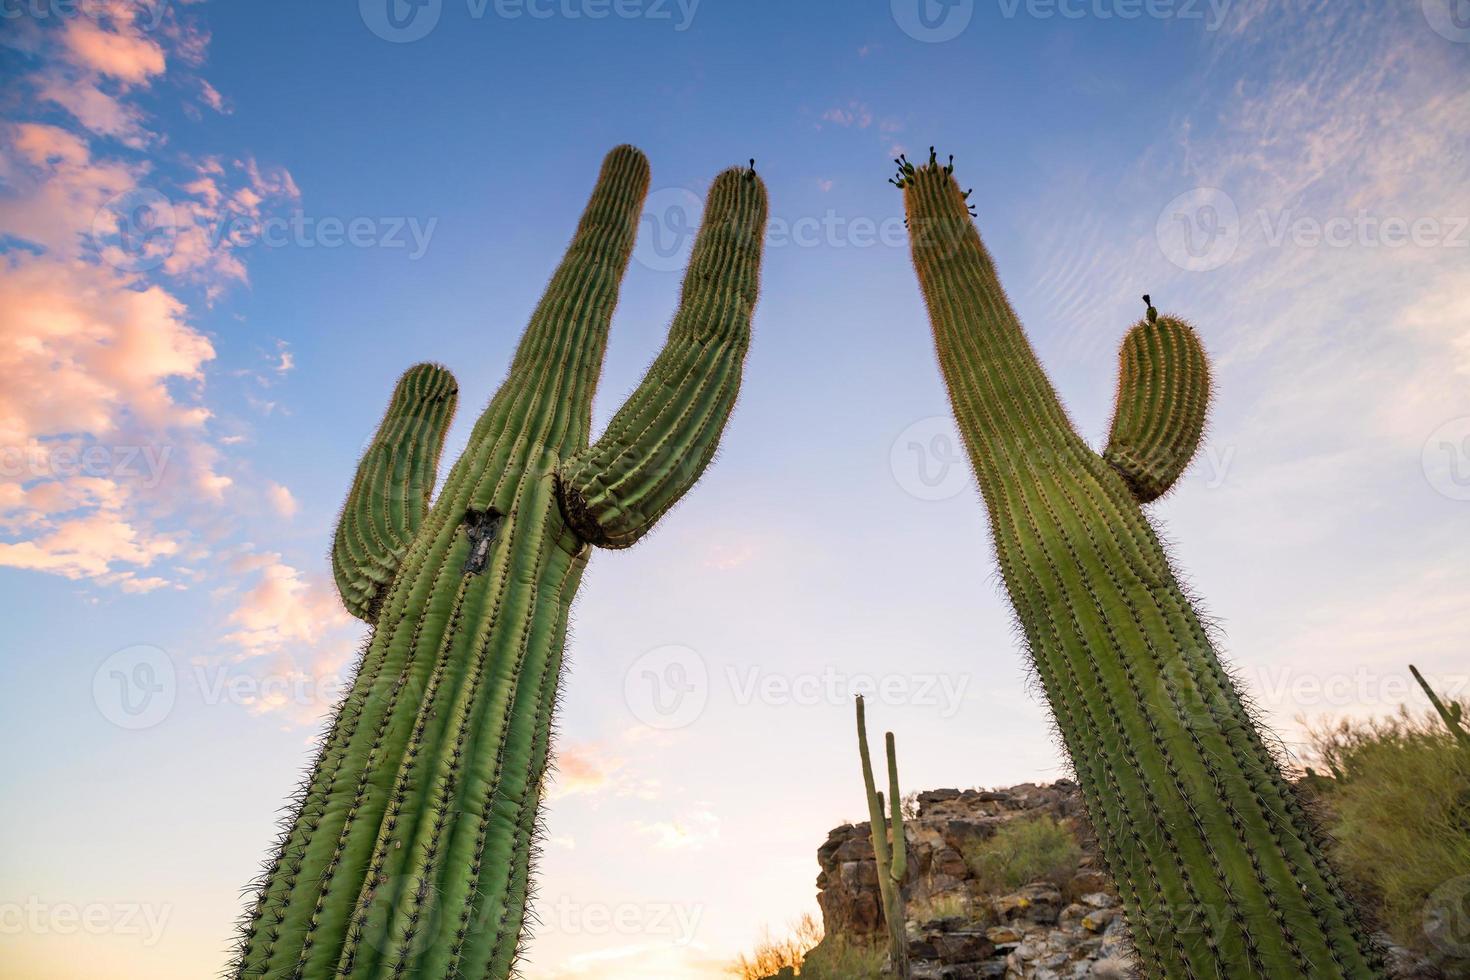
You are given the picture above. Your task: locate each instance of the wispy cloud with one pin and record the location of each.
(847, 116)
(691, 830)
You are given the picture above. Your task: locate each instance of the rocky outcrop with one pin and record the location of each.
(1067, 926)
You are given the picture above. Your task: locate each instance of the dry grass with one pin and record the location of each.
(771, 955)
(946, 906)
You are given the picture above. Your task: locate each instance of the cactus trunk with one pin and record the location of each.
(1217, 865)
(410, 849)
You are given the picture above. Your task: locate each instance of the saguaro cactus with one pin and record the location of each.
(410, 847)
(1217, 866)
(890, 847)
(1451, 713)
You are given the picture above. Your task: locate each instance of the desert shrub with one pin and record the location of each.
(804, 951)
(1023, 850)
(1398, 811)
(841, 958)
(771, 955)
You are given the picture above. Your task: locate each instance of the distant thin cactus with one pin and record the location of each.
(1449, 713)
(890, 847)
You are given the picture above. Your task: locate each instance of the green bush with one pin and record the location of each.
(1398, 809)
(1024, 850)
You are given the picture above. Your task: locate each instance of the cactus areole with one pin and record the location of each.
(1216, 864)
(410, 847)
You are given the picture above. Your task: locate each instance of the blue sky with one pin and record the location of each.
(1292, 177)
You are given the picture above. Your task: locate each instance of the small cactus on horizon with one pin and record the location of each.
(1218, 868)
(890, 846)
(1451, 713)
(408, 851)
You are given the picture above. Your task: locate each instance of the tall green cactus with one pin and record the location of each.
(890, 846)
(409, 850)
(1216, 863)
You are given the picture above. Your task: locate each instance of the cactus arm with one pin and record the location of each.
(390, 493)
(1449, 714)
(898, 868)
(1162, 403)
(1218, 867)
(660, 441)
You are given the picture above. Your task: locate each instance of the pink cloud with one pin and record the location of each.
(124, 52)
(281, 500)
(87, 546)
(80, 350)
(50, 146)
(283, 610)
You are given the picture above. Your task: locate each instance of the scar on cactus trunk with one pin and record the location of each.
(410, 847)
(1218, 867)
(890, 846)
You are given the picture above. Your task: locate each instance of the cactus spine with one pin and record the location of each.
(1217, 865)
(410, 846)
(890, 846)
